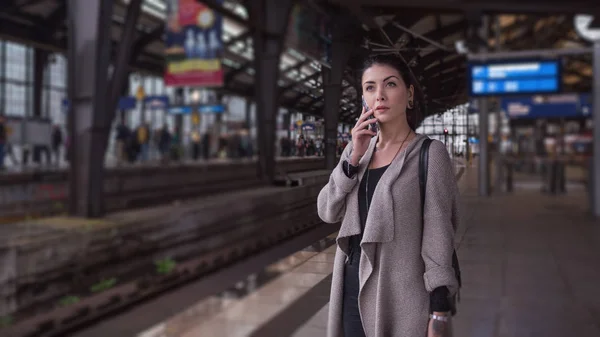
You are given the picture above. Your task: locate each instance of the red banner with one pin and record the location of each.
(193, 45)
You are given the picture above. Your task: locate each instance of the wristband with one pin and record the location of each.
(349, 169)
(439, 318)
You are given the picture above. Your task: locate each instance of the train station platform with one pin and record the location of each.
(529, 264)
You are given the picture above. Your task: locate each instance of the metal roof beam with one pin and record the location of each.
(487, 6)
(143, 41)
(302, 81)
(230, 76)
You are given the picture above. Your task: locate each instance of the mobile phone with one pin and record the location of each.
(373, 126)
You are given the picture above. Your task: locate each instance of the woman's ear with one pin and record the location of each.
(411, 92)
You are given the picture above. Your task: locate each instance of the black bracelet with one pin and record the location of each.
(349, 169)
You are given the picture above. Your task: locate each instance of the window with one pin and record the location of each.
(16, 103)
(16, 62)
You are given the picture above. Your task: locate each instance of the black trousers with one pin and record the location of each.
(350, 315)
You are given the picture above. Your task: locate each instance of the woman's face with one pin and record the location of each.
(386, 93)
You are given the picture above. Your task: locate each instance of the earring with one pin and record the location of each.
(410, 104)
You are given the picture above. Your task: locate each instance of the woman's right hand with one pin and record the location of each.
(361, 136)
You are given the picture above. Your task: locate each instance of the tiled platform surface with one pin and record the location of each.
(530, 263)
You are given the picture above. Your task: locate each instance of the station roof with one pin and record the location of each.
(424, 35)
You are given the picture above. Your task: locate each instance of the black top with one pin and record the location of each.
(439, 297)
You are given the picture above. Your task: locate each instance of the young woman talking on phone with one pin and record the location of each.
(393, 273)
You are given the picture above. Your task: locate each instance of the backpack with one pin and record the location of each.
(423, 166)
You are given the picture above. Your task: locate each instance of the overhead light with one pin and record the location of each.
(461, 47)
(585, 27)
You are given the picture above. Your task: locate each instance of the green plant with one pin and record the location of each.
(68, 300)
(165, 265)
(6, 321)
(103, 285)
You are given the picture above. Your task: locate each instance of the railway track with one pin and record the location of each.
(205, 250)
(92, 309)
(41, 194)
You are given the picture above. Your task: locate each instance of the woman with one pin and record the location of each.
(393, 270)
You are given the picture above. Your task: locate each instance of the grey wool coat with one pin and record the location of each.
(403, 258)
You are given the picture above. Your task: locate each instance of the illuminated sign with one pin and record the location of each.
(204, 109)
(553, 106)
(156, 102)
(514, 77)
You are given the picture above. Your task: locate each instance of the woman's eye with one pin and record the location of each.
(391, 84)
(369, 88)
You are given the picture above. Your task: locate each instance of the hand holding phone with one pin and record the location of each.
(373, 126)
(362, 133)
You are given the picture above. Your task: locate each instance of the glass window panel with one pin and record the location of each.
(16, 61)
(57, 114)
(15, 99)
(58, 71)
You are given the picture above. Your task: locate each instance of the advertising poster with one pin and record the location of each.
(194, 46)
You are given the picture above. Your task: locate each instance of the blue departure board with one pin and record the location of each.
(514, 77)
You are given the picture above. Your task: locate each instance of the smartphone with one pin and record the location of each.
(373, 126)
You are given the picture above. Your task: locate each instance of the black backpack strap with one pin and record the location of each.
(423, 165)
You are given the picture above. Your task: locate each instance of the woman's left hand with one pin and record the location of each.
(437, 328)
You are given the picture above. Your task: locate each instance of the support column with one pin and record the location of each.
(268, 46)
(499, 156)
(3, 77)
(484, 164)
(217, 125)
(595, 167)
(342, 46)
(120, 77)
(287, 122)
(88, 61)
(122, 112)
(248, 116)
(40, 60)
(179, 100)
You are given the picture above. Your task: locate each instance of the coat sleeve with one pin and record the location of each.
(440, 220)
(331, 203)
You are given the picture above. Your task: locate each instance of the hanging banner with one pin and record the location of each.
(194, 45)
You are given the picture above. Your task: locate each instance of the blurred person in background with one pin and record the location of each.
(57, 142)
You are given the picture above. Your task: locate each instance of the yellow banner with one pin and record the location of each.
(194, 65)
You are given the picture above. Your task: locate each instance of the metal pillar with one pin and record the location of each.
(248, 116)
(341, 49)
(217, 125)
(179, 100)
(40, 60)
(3, 78)
(122, 112)
(499, 156)
(268, 46)
(120, 77)
(89, 57)
(287, 123)
(595, 167)
(484, 167)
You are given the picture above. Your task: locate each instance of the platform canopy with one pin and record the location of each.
(424, 32)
